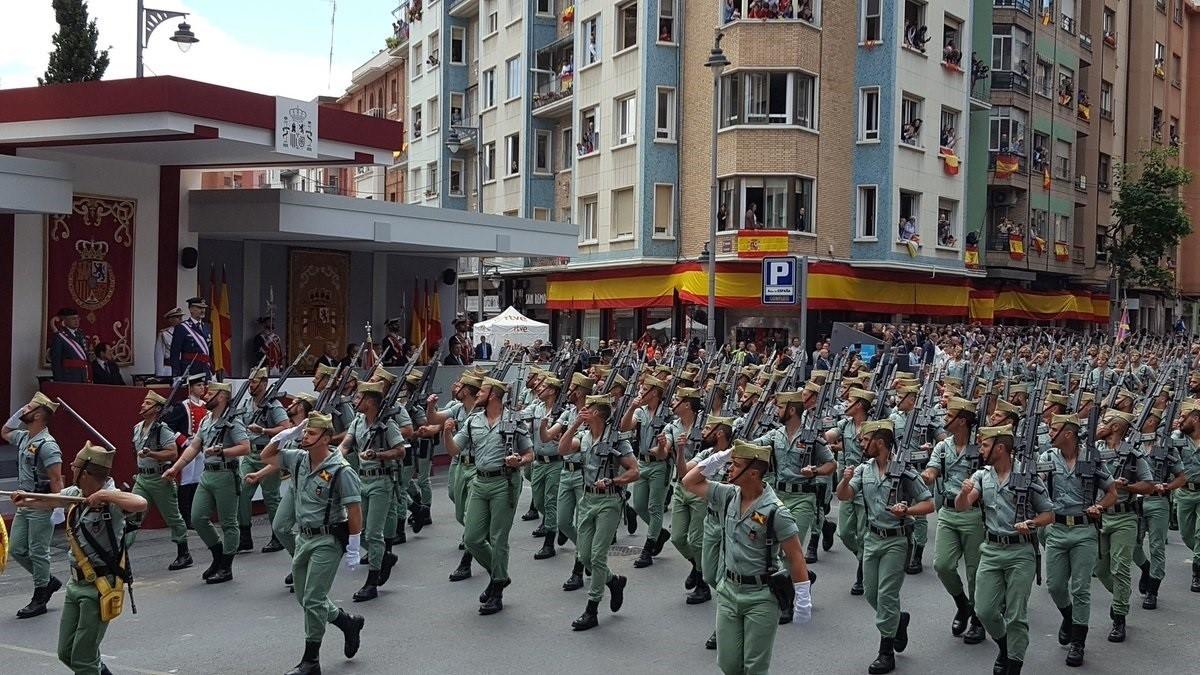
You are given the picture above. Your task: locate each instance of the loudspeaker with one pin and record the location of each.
(188, 257)
(449, 276)
(700, 316)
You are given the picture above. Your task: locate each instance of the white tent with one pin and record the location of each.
(513, 326)
(665, 325)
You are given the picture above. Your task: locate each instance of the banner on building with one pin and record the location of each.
(318, 298)
(761, 243)
(296, 127)
(1016, 247)
(1062, 252)
(89, 268)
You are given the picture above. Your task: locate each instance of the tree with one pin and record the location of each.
(74, 58)
(1149, 219)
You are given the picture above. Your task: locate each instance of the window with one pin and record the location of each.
(541, 213)
(867, 212)
(418, 61)
(1156, 122)
(627, 26)
(591, 40)
(492, 25)
(952, 41)
(457, 169)
(457, 101)
(948, 129)
(766, 98)
(621, 224)
(1106, 99)
(458, 46)
(1062, 160)
(666, 21)
(1062, 228)
(513, 11)
(773, 202)
(512, 154)
(1177, 11)
(626, 114)
(568, 148)
(664, 209)
(1066, 86)
(1109, 26)
(664, 117)
(915, 29)
(414, 186)
(489, 162)
(541, 151)
(1041, 151)
(416, 122)
(1067, 12)
(432, 170)
(1044, 79)
(908, 227)
(1010, 49)
(587, 218)
(545, 7)
(1007, 129)
(435, 52)
(868, 114)
(487, 89)
(1105, 171)
(435, 115)
(806, 100)
(770, 98)
(1173, 132)
(513, 70)
(1160, 59)
(871, 29)
(1176, 68)
(947, 223)
(589, 136)
(911, 122)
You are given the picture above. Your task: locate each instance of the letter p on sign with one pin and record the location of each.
(779, 280)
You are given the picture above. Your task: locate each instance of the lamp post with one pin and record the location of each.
(717, 62)
(149, 19)
(454, 144)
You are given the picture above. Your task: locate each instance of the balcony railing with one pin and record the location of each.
(1067, 23)
(1081, 183)
(746, 9)
(1008, 80)
(1077, 255)
(552, 89)
(1022, 163)
(1085, 41)
(1023, 5)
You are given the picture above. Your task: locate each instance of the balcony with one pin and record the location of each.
(555, 76)
(1023, 5)
(1006, 164)
(1085, 41)
(1067, 23)
(801, 10)
(462, 9)
(1006, 80)
(1081, 183)
(1110, 39)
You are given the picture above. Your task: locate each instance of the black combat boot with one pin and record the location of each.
(289, 582)
(547, 550)
(351, 626)
(915, 565)
(562, 538)
(616, 591)
(531, 514)
(183, 557)
(711, 642)
(959, 624)
(385, 569)
(495, 598)
(646, 558)
(311, 663)
(700, 594)
(273, 546)
(575, 581)
(1195, 577)
(1151, 599)
(828, 529)
(810, 555)
(631, 520)
(370, 589)
(216, 563)
(245, 540)
(693, 577)
(1064, 628)
(224, 572)
(540, 531)
(588, 618)
(1014, 667)
(463, 571)
(1144, 580)
(886, 661)
(36, 606)
(664, 536)
(901, 641)
(1117, 634)
(857, 588)
(1078, 643)
(401, 537)
(1000, 667)
(975, 632)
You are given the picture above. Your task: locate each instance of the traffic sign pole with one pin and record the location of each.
(802, 291)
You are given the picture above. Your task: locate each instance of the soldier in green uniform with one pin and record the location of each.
(498, 453)
(263, 420)
(959, 534)
(420, 457)
(1187, 497)
(758, 532)
(718, 437)
(906, 400)
(378, 444)
(547, 467)
(843, 439)
(93, 527)
(39, 469)
(891, 504)
(570, 481)
(1072, 541)
(1008, 557)
(154, 443)
(527, 398)
(649, 492)
(1118, 533)
(590, 437)
(687, 510)
(327, 502)
(1155, 512)
(462, 466)
(223, 439)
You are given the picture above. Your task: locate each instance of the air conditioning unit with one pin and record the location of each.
(1004, 198)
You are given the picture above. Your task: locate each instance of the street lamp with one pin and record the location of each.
(717, 62)
(149, 19)
(454, 144)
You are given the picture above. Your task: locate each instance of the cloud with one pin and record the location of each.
(219, 58)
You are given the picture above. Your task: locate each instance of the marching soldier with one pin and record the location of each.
(1187, 497)
(570, 481)
(191, 342)
(843, 439)
(718, 437)
(394, 526)
(547, 469)
(156, 448)
(528, 396)
(39, 470)
(600, 508)
(69, 350)
(162, 344)
(462, 466)
(497, 459)
(757, 528)
(327, 503)
(419, 457)
(649, 491)
(264, 419)
(906, 400)
(1155, 508)
(687, 510)
(222, 439)
(889, 526)
(1008, 560)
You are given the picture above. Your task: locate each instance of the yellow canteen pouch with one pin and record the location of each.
(112, 595)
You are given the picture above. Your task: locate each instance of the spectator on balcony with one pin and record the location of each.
(801, 220)
(732, 11)
(949, 138)
(979, 70)
(908, 230)
(566, 75)
(723, 217)
(945, 231)
(1082, 98)
(910, 133)
(1018, 147)
(951, 53)
(803, 10)
(751, 221)
(664, 31)
(916, 36)
(1039, 158)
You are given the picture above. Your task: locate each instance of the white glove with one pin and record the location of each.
(289, 434)
(353, 552)
(15, 422)
(709, 466)
(802, 606)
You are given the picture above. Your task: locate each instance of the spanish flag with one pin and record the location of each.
(1046, 180)
(1061, 254)
(950, 163)
(1016, 247)
(1123, 326)
(1039, 244)
(971, 256)
(1046, 19)
(1006, 165)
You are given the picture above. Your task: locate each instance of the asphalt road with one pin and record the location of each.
(421, 623)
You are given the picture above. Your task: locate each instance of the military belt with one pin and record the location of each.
(494, 474)
(748, 580)
(317, 531)
(466, 460)
(374, 473)
(550, 459)
(649, 459)
(1008, 539)
(223, 466)
(1072, 521)
(572, 466)
(148, 472)
(784, 486)
(593, 490)
(1122, 507)
(948, 499)
(1192, 486)
(891, 532)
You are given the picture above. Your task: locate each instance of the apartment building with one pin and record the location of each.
(378, 88)
(1189, 273)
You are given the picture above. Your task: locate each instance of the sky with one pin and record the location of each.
(275, 47)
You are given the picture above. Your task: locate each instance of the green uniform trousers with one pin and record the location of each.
(270, 491)
(80, 631)
(544, 482)
(747, 618)
(283, 525)
(29, 543)
(599, 515)
(218, 491)
(920, 535)
(462, 491)
(1118, 538)
(422, 465)
(852, 522)
(452, 481)
(1002, 586)
(687, 523)
(1156, 517)
(313, 568)
(401, 499)
(164, 496)
(1187, 511)
(570, 493)
(649, 493)
(711, 564)
(883, 575)
(804, 509)
(959, 536)
(491, 505)
(378, 508)
(1070, 559)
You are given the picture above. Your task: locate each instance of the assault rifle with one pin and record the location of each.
(1160, 453)
(881, 379)
(917, 428)
(334, 389)
(563, 368)
(274, 392)
(1090, 463)
(233, 409)
(421, 391)
(972, 451)
(663, 415)
(176, 386)
(1127, 451)
(1025, 465)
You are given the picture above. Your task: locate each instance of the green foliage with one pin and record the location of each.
(74, 58)
(1150, 219)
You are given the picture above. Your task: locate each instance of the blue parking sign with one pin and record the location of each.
(779, 280)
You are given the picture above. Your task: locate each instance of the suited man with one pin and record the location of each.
(68, 349)
(328, 356)
(483, 350)
(162, 344)
(104, 369)
(192, 339)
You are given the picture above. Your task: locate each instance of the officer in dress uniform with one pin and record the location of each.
(264, 419)
(69, 360)
(267, 347)
(162, 344)
(156, 448)
(39, 469)
(191, 341)
(393, 344)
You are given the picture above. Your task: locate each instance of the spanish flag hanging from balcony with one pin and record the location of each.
(1039, 244)
(1061, 252)
(761, 243)
(950, 162)
(1006, 165)
(1047, 19)
(1016, 247)
(971, 256)
(1046, 180)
